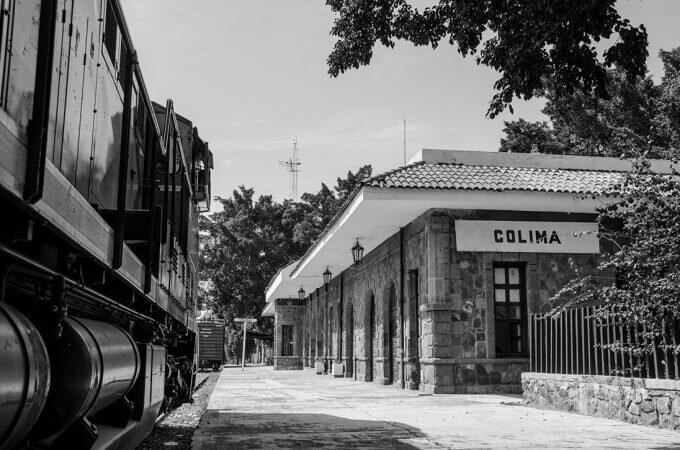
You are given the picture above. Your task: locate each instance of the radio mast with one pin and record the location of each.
(293, 167)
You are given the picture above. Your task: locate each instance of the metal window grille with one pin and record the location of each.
(110, 33)
(510, 309)
(124, 64)
(140, 119)
(287, 340)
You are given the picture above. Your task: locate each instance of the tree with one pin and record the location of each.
(528, 43)
(242, 248)
(639, 283)
(639, 118)
(245, 244)
(530, 137)
(321, 207)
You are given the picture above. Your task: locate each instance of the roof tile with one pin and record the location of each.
(465, 177)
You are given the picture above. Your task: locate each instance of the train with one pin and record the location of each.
(100, 195)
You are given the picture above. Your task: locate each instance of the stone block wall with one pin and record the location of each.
(459, 342)
(357, 319)
(641, 401)
(444, 340)
(289, 312)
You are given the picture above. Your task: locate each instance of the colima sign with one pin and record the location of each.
(526, 237)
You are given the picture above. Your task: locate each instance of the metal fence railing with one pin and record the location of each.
(572, 343)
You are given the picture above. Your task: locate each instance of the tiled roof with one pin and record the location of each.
(466, 177)
(421, 175)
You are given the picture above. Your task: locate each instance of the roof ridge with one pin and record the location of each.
(547, 169)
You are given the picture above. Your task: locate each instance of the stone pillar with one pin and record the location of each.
(337, 356)
(318, 353)
(305, 347)
(436, 336)
(326, 332)
(310, 333)
(314, 327)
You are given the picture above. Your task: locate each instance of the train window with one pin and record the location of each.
(140, 117)
(111, 33)
(124, 64)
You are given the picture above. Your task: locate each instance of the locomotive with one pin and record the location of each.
(100, 192)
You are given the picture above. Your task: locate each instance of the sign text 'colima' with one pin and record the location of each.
(530, 236)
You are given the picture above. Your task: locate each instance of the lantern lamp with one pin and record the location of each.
(301, 293)
(327, 275)
(357, 252)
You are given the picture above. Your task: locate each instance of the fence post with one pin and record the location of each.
(531, 343)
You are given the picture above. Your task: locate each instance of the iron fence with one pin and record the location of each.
(574, 341)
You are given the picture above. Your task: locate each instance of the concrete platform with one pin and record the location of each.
(263, 408)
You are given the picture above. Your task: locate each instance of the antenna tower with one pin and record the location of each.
(293, 167)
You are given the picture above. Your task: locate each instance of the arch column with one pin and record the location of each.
(348, 339)
(369, 336)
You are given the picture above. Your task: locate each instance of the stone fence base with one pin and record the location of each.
(643, 401)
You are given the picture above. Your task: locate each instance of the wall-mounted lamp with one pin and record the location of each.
(357, 252)
(301, 293)
(327, 275)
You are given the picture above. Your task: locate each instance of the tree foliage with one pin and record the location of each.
(639, 283)
(320, 208)
(640, 118)
(245, 244)
(526, 41)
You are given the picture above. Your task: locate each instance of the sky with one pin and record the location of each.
(252, 76)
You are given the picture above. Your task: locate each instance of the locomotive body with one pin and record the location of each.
(100, 191)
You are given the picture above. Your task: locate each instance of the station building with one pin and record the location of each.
(453, 252)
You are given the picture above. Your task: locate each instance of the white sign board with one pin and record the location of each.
(526, 237)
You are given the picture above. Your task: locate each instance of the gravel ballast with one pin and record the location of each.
(175, 429)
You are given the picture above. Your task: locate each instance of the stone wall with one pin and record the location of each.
(373, 300)
(635, 400)
(459, 347)
(289, 312)
(432, 326)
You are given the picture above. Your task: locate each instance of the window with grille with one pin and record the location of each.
(510, 308)
(287, 340)
(140, 116)
(111, 33)
(123, 64)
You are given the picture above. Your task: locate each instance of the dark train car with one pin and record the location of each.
(100, 191)
(211, 340)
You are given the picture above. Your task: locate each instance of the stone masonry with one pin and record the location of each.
(633, 400)
(288, 312)
(418, 314)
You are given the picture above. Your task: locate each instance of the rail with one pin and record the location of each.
(577, 342)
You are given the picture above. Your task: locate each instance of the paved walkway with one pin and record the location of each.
(263, 408)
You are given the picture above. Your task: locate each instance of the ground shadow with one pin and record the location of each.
(266, 431)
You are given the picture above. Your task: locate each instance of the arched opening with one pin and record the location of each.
(348, 348)
(390, 334)
(369, 334)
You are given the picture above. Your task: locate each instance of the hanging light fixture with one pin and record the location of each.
(357, 252)
(327, 275)
(301, 293)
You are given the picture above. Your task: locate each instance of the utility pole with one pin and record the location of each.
(404, 138)
(245, 326)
